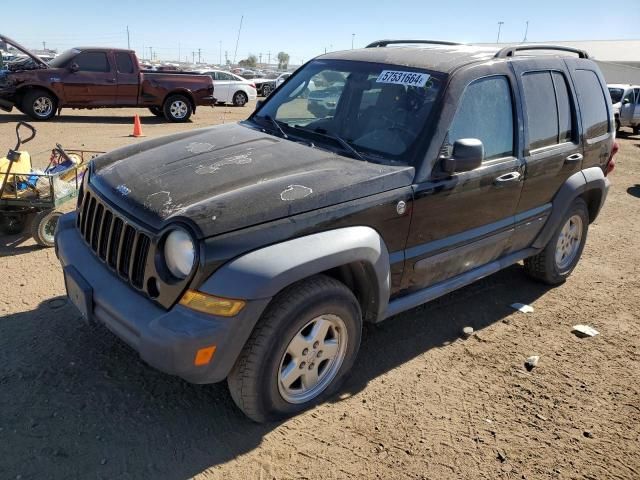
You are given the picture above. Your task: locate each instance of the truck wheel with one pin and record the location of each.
(177, 108)
(157, 111)
(300, 352)
(43, 228)
(561, 254)
(39, 104)
(240, 99)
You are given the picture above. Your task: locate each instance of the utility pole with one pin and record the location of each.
(128, 39)
(151, 53)
(220, 52)
(226, 57)
(269, 58)
(353, 36)
(526, 31)
(193, 57)
(499, 28)
(44, 45)
(235, 53)
(260, 59)
(198, 55)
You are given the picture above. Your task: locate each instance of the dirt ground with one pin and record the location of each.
(422, 402)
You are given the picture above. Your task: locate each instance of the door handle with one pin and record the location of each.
(507, 178)
(576, 157)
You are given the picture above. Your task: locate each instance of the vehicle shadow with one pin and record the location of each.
(145, 118)
(635, 190)
(77, 402)
(12, 245)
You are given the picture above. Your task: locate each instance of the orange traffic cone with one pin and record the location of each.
(137, 128)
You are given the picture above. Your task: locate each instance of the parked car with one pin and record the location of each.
(322, 102)
(231, 88)
(265, 86)
(626, 105)
(99, 78)
(254, 252)
(280, 80)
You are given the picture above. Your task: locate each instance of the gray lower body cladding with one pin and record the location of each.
(166, 339)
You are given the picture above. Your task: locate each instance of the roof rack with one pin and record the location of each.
(511, 51)
(384, 43)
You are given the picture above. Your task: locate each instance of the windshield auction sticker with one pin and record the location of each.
(411, 79)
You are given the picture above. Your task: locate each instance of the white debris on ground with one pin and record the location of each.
(531, 362)
(467, 332)
(584, 331)
(521, 307)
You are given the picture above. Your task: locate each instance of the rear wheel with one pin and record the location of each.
(43, 228)
(300, 352)
(157, 111)
(39, 104)
(240, 99)
(266, 90)
(177, 108)
(561, 254)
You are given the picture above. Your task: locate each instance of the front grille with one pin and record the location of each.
(114, 241)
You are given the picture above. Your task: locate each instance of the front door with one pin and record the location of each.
(222, 86)
(94, 83)
(627, 108)
(466, 220)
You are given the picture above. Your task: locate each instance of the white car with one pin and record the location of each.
(626, 105)
(280, 80)
(230, 88)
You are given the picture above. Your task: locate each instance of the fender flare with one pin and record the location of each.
(587, 180)
(265, 272)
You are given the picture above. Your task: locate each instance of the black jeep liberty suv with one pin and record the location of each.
(370, 182)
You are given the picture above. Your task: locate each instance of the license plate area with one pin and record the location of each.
(79, 291)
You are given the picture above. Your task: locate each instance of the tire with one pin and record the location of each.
(553, 264)
(40, 104)
(157, 111)
(240, 99)
(255, 380)
(44, 226)
(12, 224)
(177, 108)
(266, 90)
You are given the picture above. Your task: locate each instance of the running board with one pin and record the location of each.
(442, 288)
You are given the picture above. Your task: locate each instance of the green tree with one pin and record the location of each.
(283, 60)
(250, 61)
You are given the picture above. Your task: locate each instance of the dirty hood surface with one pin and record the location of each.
(232, 176)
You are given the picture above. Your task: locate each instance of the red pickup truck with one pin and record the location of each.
(98, 78)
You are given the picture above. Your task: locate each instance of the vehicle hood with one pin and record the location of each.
(24, 50)
(228, 177)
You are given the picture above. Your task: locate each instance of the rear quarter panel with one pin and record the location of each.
(156, 86)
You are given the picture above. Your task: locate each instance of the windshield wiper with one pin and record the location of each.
(275, 123)
(343, 143)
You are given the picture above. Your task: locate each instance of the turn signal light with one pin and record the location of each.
(204, 356)
(205, 303)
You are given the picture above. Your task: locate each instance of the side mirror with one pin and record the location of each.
(74, 67)
(626, 101)
(468, 154)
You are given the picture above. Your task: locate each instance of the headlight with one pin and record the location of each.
(179, 253)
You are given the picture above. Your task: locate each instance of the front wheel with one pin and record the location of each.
(43, 228)
(300, 352)
(177, 108)
(240, 99)
(39, 104)
(561, 254)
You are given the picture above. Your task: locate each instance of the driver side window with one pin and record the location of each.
(92, 62)
(486, 113)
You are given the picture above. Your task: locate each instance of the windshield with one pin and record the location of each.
(616, 94)
(378, 110)
(61, 60)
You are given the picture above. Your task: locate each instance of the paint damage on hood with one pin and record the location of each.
(232, 176)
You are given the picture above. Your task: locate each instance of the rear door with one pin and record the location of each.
(466, 220)
(128, 79)
(552, 150)
(94, 83)
(627, 108)
(222, 86)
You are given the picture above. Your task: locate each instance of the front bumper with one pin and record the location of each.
(166, 339)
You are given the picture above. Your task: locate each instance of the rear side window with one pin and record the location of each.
(593, 105)
(92, 62)
(124, 62)
(486, 113)
(549, 113)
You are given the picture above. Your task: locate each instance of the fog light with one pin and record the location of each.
(204, 355)
(203, 302)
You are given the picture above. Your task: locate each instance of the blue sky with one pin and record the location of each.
(305, 28)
